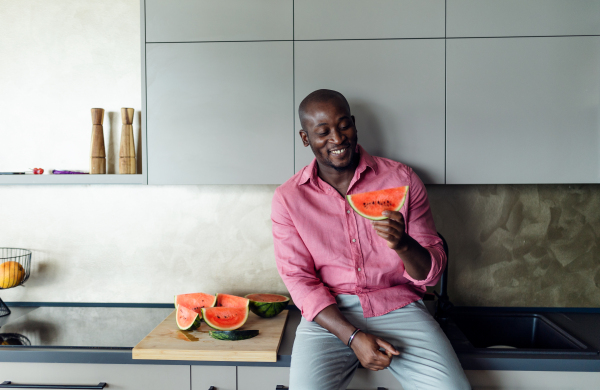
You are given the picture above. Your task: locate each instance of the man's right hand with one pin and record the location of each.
(367, 349)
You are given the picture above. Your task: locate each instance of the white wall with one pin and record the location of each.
(58, 59)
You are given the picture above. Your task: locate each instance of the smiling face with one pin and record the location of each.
(329, 129)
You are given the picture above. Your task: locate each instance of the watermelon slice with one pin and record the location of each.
(225, 318)
(267, 305)
(195, 301)
(232, 335)
(187, 319)
(372, 204)
(226, 300)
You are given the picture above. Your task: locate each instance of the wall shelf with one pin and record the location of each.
(73, 179)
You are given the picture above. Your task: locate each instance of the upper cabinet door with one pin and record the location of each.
(396, 93)
(218, 20)
(523, 110)
(502, 18)
(220, 113)
(372, 19)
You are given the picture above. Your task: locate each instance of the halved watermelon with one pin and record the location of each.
(267, 305)
(195, 301)
(372, 204)
(187, 319)
(226, 300)
(225, 318)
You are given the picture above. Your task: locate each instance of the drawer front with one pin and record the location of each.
(218, 20)
(268, 378)
(501, 18)
(116, 376)
(221, 377)
(373, 19)
(262, 378)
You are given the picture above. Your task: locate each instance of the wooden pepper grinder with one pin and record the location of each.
(127, 150)
(97, 153)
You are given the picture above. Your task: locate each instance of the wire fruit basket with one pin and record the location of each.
(15, 265)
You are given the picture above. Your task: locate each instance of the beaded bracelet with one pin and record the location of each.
(352, 336)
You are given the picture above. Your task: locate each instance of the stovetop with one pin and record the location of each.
(79, 327)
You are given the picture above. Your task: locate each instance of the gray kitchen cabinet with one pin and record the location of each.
(262, 378)
(221, 377)
(523, 110)
(267, 378)
(499, 18)
(116, 376)
(218, 20)
(374, 19)
(219, 113)
(396, 93)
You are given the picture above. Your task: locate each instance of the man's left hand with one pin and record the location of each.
(392, 230)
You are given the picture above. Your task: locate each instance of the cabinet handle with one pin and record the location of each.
(280, 387)
(212, 388)
(10, 385)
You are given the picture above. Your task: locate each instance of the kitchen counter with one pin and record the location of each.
(63, 333)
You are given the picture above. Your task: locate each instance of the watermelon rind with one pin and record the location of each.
(215, 325)
(267, 309)
(372, 218)
(190, 324)
(227, 300)
(232, 335)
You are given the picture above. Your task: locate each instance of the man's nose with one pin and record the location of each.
(336, 136)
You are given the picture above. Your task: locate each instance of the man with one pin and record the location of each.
(358, 283)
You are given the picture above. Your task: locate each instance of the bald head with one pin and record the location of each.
(320, 96)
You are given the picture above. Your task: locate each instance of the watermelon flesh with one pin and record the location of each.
(187, 319)
(372, 204)
(225, 318)
(267, 305)
(195, 301)
(226, 300)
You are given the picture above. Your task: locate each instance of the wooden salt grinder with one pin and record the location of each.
(127, 150)
(97, 152)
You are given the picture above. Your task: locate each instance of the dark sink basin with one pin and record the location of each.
(510, 333)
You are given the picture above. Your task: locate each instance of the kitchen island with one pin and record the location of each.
(104, 334)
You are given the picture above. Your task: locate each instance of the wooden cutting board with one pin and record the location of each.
(167, 342)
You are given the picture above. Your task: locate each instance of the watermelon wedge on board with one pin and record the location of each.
(187, 319)
(372, 204)
(225, 318)
(226, 300)
(195, 301)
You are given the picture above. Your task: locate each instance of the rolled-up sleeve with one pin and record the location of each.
(420, 226)
(295, 263)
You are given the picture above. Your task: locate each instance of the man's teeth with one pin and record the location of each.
(338, 151)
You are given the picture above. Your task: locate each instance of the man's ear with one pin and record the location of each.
(304, 137)
(353, 120)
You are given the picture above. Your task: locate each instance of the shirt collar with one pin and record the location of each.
(366, 161)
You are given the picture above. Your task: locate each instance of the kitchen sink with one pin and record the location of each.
(510, 333)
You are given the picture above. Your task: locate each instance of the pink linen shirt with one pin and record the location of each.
(324, 248)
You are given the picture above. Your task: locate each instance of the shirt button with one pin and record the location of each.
(354, 240)
(359, 270)
(348, 211)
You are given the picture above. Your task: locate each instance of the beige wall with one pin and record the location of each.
(510, 245)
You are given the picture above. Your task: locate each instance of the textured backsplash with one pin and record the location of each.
(521, 245)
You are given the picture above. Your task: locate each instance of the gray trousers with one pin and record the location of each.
(321, 361)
